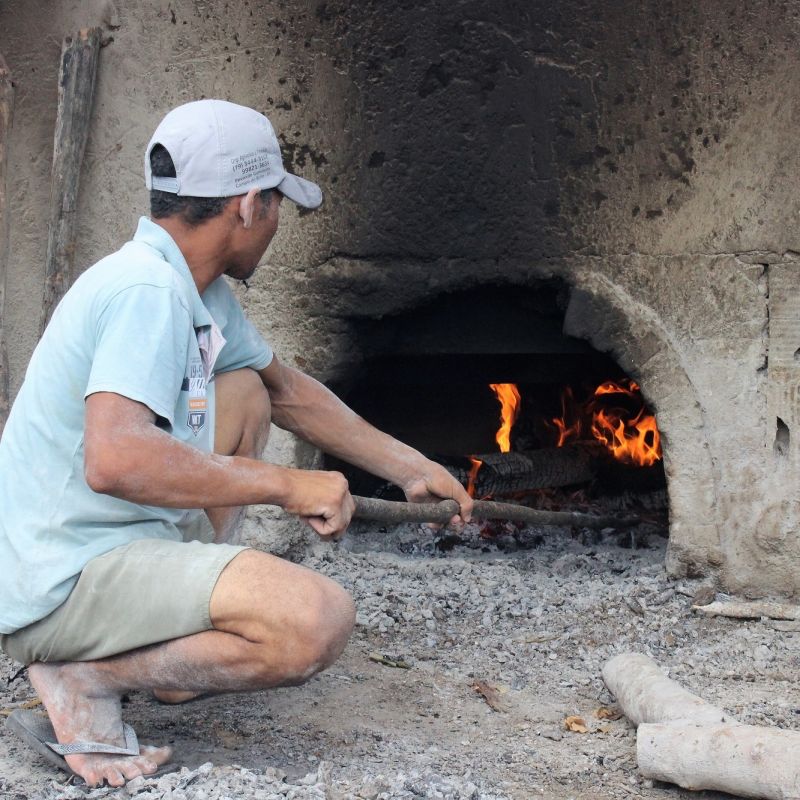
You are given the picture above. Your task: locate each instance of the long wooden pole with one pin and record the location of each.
(75, 95)
(442, 512)
(6, 114)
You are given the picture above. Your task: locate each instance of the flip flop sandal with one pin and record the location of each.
(35, 730)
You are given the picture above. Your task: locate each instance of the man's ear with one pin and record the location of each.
(247, 207)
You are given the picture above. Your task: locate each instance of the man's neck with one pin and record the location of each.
(203, 246)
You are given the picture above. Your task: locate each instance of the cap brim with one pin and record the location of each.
(299, 190)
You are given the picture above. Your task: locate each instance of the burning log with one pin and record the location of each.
(442, 512)
(506, 473)
(502, 474)
(682, 739)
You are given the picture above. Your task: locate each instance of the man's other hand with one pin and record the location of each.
(321, 499)
(434, 484)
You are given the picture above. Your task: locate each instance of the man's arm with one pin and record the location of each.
(305, 407)
(127, 456)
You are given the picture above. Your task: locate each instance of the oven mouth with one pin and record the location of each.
(425, 375)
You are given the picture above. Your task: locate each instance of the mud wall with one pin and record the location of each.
(645, 152)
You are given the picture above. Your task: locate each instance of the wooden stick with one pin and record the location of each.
(6, 114)
(745, 760)
(76, 81)
(749, 610)
(443, 512)
(646, 694)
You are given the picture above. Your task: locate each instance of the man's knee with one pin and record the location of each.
(243, 413)
(321, 630)
(300, 619)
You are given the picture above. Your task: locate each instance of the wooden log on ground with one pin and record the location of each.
(744, 760)
(76, 81)
(396, 512)
(742, 609)
(646, 694)
(6, 114)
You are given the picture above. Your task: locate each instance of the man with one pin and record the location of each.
(148, 399)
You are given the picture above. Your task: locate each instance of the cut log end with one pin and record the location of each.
(646, 694)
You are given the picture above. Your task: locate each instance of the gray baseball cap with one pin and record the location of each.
(221, 149)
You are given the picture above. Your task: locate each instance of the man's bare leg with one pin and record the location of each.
(275, 624)
(241, 428)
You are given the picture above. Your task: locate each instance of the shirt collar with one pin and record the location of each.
(155, 236)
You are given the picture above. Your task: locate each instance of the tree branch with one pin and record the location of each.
(397, 512)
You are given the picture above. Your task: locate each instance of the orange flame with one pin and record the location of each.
(508, 395)
(630, 437)
(473, 475)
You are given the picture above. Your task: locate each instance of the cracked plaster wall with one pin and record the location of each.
(644, 152)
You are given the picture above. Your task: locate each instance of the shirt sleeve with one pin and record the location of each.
(142, 340)
(244, 345)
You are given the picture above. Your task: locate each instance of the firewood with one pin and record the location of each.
(646, 694)
(744, 760)
(442, 512)
(76, 81)
(505, 473)
(682, 739)
(6, 113)
(740, 609)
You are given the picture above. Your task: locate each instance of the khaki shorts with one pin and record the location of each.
(141, 593)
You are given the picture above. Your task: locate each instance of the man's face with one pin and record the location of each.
(251, 243)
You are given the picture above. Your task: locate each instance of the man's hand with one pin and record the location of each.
(321, 499)
(435, 483)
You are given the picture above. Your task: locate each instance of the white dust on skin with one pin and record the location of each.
(82, 708)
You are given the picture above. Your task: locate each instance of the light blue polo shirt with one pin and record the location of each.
(135, 325)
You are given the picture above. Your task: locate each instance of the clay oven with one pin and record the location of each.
(642, 158)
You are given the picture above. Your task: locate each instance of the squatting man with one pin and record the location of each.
(133, 446)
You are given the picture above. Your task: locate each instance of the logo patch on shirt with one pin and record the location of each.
(198, 401)
(197, 419)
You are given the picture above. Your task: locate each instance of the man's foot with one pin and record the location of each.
(176, 696)
(82, 708)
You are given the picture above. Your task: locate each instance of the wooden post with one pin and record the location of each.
(75, 95)
(6, 113)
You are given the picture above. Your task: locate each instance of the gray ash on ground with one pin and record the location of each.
(528, 628)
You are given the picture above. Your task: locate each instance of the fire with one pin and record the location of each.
(567, 432)
(630, 435)
(473, 475)
(508, 395)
